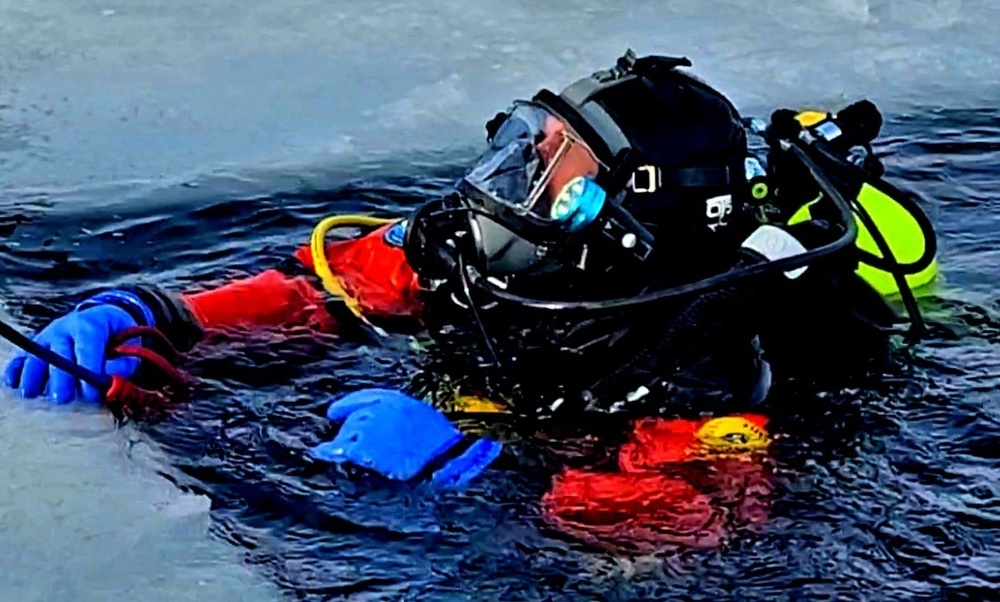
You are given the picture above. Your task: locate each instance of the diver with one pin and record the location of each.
(630, 245)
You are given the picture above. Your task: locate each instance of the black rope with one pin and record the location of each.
(475, 314)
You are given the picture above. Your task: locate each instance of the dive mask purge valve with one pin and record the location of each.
(578, 203)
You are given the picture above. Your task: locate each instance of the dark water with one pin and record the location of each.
(891, 493)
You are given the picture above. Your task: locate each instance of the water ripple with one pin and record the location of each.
(889, 492)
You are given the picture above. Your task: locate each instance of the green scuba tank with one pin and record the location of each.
(902, 232)
(896, 217)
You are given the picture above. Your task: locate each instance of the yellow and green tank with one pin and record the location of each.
(901, 230)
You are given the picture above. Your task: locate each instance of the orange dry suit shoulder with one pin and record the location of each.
(370, 273)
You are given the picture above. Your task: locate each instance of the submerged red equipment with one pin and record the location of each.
(681, 483)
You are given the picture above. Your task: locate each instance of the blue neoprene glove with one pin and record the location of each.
(402, 438)
(82, 336)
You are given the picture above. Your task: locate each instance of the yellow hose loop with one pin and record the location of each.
(317, 247)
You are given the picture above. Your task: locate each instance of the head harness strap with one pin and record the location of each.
(577, 105)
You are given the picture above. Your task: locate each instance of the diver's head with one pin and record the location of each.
(636, 162)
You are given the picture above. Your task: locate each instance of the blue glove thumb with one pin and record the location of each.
(401, 438)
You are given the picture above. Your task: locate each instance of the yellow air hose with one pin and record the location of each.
(317, 247)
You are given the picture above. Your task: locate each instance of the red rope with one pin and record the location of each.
(146, 331)
(148, 355)
(126, 399)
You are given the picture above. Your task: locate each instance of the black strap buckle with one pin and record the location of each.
(626, 232)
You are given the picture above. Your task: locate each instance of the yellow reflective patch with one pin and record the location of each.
(732, 434)
(802, 214)
(472, 403)
(901, 232)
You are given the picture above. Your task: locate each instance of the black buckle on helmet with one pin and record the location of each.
(650, 65)
(623, 67)
(627, 65)
(624, 232)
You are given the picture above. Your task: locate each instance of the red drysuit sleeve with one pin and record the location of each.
(269, 299)
(373, 271)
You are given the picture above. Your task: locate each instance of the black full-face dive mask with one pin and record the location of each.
(535, 194)
(553, 188)
(552, 193)
(538, 199)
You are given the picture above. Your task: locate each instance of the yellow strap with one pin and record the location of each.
(317, 247)
(476, 404)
